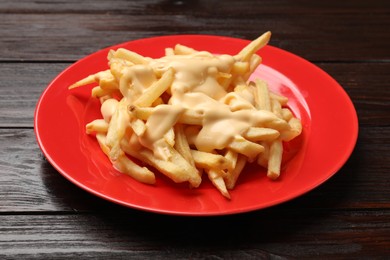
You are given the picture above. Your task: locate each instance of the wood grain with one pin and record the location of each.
(270, 233)
(21, 85)
(367, 86)
(70, 36)
(209, 7)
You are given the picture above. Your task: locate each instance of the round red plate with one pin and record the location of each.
(329, 120)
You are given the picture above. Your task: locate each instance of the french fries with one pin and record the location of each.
(190, 113)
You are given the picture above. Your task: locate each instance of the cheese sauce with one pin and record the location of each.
(195, 86)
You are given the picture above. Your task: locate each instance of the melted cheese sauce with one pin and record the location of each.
(195, 86)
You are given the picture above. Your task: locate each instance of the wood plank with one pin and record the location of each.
(349, 187)
(227, 7)
(28, 183)
(314, 36)
(264, 234)
(21, 84)
(366, 84)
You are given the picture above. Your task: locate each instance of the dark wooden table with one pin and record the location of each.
(42, 215)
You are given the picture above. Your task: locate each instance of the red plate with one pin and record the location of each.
(329, 120)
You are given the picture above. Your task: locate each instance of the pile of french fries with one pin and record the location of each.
(130, 114)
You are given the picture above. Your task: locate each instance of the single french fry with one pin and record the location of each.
(209, 160)
(130, 56)
(246, 53)
(262, 97)
(294, 131)
(108, 83)
(232, 176)
(262, 159)
(231, 156)
(281, 99)
(104, 94)
(245, 147)
(275, 159)
(169, 137)
(101, 138)
(97, 125)
(276, 108)
(215, 176)
(118, 66)
(117, 128)
(178, 169)
(142, 113)
(110, 54)
(182, 145)
(296, 125)
(103, 75)
(99, 92)
(127, 166)
(94, 78)
(85, 81)
(256, 134)
(240, 68)
(169, 52)
(138, 126)
(286, 114)
(183, 50)
(141, 174)
(253, 64)
(264, 118)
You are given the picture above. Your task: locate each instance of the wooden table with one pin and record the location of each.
(42, 215)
